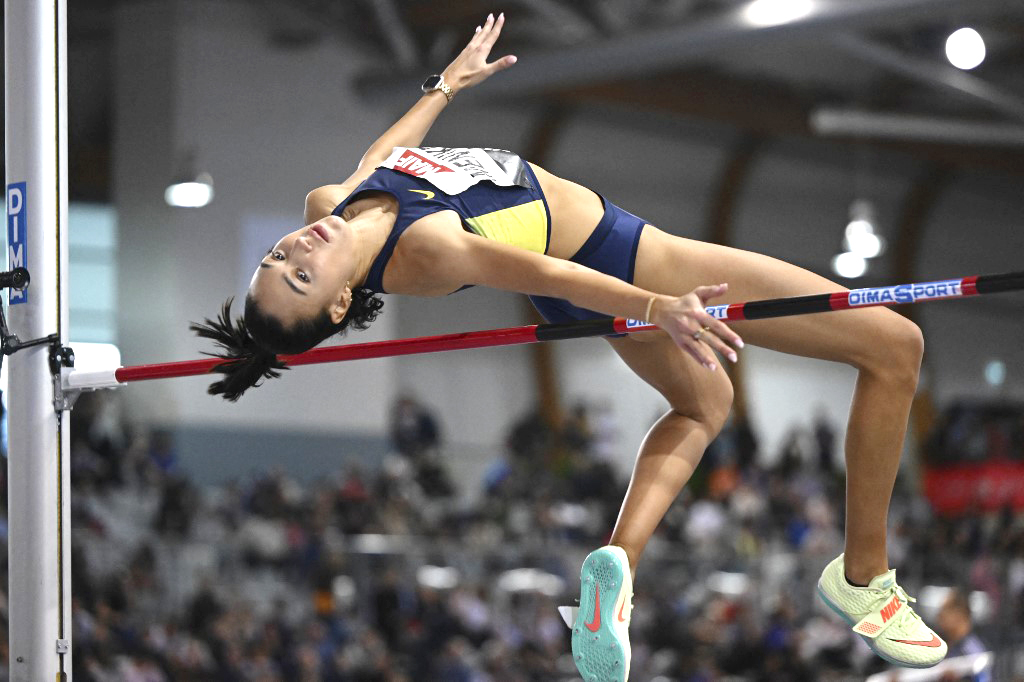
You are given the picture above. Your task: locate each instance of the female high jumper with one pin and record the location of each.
(430, 221)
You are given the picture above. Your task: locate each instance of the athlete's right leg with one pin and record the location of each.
(700, 401)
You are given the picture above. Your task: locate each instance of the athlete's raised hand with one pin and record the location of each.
(471, 66)
(696, 332)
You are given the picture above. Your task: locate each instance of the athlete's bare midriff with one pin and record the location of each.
(575, 212)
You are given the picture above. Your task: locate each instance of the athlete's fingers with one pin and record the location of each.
(492, 36)
(481, 32)
(700, 352)
(719, 345)
(486, 28)
(706, 293)
(475, 40)
(707, 335)
(704, 342)
(501, 64)
(722, 331)
(685, 336)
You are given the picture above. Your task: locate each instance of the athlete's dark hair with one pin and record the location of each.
(252, 342)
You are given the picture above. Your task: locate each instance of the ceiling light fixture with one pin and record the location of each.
(191, 186)
(849, 265)
(191, 192)
(860, 237)
(965, 48)
(776, 12)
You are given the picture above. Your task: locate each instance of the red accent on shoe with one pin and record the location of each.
(595, 624)
(890, 609)
(934, 643)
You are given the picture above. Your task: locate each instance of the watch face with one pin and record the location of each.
(431, 83)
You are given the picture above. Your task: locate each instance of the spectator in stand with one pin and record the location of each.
(745, 442)
(825, 442)
(577, 434)
(138, 616)
(954, 621)
(414, 429)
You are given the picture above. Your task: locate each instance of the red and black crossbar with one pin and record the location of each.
(753, 310)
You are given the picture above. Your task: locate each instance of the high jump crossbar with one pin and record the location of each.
(509, 336)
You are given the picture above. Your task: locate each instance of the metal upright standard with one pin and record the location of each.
(39, 540)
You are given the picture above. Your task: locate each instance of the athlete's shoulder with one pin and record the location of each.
(320, 202)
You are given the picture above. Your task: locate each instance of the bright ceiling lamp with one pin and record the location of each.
(776, 12)
(860, 237)
(192, 192)
(861, 240)
(849, 265)
(965, 48)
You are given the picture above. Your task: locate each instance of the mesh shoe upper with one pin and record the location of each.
(882, 615)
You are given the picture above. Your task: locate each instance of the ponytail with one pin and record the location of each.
(246, 362)
(252, 343)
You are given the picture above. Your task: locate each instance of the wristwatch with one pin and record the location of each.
(436, 82)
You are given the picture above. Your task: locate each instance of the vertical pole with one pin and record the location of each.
(39, 541)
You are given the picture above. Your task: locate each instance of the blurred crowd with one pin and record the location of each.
(969, 433)
(387, 573)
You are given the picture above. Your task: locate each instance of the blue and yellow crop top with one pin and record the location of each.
(514, 212)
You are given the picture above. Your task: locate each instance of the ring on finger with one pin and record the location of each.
(699, 333)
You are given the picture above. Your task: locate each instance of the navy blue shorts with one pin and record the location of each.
(610, 249)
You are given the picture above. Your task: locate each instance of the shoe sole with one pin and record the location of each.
(601, 656)
(867, 640)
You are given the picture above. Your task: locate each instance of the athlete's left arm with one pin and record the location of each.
(467, 70)
(457, 258)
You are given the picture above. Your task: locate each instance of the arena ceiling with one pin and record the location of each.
(867, 70)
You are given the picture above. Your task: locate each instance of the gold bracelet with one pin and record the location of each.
(650, 305)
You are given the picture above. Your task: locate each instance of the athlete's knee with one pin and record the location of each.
(898, 350)
(708, 405)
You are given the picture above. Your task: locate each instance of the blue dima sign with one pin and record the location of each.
(17, 244)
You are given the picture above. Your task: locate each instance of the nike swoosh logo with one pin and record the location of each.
(935, 642)
(427, 193)
(595, 624)
(622, 608)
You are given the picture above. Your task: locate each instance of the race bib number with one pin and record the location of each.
(456, 169)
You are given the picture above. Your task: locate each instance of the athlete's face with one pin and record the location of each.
(307, 271)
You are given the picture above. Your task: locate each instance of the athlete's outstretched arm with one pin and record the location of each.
(457, 258)
(468, 69)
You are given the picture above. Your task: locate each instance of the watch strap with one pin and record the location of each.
(441, 85)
